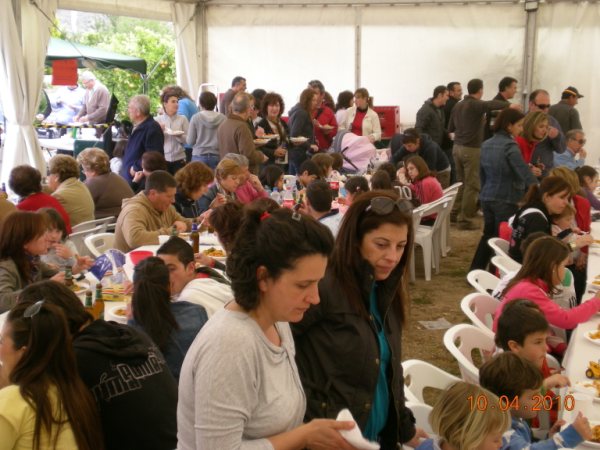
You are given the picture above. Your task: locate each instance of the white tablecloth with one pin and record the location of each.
(580, 350)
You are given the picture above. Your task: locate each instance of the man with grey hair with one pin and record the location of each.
(234, 135)
(250, 187)
(574, 156)
(147, 135)
(95, 102)
(238, 84)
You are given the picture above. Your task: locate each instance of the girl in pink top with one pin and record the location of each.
(542, 271)
(424, 186)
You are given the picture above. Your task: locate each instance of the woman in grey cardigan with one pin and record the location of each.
(239, 386)
(23, 238)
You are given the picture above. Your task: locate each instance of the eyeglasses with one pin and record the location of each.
(383, 206)
(580, 141)
(542, 106)
(32, 310)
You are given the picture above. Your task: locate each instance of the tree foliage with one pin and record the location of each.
(151, 40)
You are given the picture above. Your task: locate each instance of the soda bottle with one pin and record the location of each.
(69, 277)
(89, 305)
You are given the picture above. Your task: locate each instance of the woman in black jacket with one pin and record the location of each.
(348, 347)
(272, 107)
(301, 126)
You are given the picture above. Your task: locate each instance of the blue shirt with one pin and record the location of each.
(190, 318)
(381, 399)
(519, 438)
(567, 158)
(187, 108)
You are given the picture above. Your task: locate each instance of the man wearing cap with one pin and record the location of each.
(95, 101)
(564, 111)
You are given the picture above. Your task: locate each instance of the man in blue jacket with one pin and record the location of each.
(146, 136)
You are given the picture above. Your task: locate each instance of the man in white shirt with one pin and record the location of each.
(318, 201)
(205, 287)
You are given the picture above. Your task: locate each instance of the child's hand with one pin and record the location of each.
(582, 426)
(556, 381)
(556, 427)
(63, 251)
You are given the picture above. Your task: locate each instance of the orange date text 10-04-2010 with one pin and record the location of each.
(540, 403)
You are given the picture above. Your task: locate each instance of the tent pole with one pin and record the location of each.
(357, 46)
(531, 8)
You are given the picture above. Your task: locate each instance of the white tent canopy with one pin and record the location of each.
(399, 51)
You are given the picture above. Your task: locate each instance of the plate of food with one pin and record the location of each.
(216, 253)
(593, 336)
(174, 132)
(117, 314)
(115, 293)
(79, 287)
(589, 387)
(595, 441)
(261, 141)
(298, 140)
(327, 127)
(269, 136)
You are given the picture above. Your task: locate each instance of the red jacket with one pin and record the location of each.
(41, 200)
(325, 116)
(527, 148)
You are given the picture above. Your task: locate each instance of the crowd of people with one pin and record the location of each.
(306, 316)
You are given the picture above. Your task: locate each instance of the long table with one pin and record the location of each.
(580, 350)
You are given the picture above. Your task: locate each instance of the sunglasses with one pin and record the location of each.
(543, 106)
(32, 310)
(383, 206)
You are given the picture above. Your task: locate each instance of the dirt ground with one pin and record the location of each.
(439, 298)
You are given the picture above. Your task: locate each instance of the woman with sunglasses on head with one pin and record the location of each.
(348, 346)
(239, 385)
(46, 406)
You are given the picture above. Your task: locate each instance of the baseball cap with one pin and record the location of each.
(572, 91)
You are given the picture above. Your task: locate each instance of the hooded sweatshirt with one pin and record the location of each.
(140, 223)
(202, 133)
(132, 385)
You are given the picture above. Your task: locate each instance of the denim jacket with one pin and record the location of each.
(505, 177)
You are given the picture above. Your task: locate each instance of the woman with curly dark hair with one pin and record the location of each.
(272, 108)
(192, 183)
(241, 369)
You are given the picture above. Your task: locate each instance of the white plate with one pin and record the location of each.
(174, 132)
(261, 141)
(299, 140)
(216, 258)
(591, 444)
(111, 314)
(269, 136)
(589, 338)
(586, 387)
(326, 127)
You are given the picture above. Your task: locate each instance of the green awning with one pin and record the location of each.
(92, 58)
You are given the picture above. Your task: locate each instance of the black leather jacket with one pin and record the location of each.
(337, 354)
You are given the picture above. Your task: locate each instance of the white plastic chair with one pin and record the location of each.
(421, 412)
(471, 339)
(500, 246)
(483, 281)
(99, 243)
(505, 264)
(480, 309)
(423, 375)
(78, 239)
(445, 235)
(426, 245)
(103, 223)
(454, 188)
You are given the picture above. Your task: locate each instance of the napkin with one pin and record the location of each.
(354, 436)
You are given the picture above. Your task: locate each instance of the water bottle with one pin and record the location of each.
(288, 198)
(276, 196)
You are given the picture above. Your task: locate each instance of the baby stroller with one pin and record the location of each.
(357, 151)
